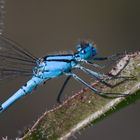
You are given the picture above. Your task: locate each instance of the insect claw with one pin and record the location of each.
(59, 102)
(133, 77)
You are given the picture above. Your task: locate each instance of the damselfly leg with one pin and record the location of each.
(103, 78)
(62, 89)
(113, 58)
(96, 91)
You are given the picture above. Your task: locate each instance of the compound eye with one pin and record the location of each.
(83, 51)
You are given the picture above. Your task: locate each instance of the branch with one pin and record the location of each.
(86, 108)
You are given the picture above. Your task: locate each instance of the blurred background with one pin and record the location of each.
(45, 26)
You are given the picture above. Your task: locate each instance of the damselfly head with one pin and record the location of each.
(86, 50)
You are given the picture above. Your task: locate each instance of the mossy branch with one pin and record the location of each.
(86, 108)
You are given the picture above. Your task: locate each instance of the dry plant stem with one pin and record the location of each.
(85, 108)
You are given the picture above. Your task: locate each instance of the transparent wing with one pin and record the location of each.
(14, 60)
(2, 3)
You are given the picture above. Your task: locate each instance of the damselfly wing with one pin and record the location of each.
(14, 60)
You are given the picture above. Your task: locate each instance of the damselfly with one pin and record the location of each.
(14, 60)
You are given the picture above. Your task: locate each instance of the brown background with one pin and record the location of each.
(44, 26)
